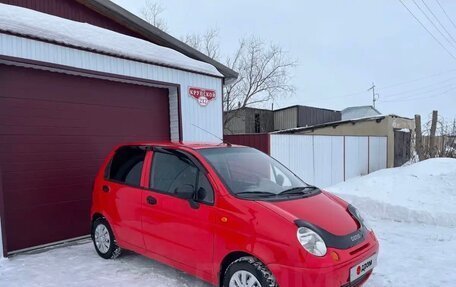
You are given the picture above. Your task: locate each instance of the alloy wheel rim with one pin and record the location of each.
(102, 238)
(244, 278)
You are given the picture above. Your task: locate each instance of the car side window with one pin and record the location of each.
(170, 171)
(126, 165)
(205, 191)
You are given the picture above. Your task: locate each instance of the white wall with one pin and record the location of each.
(208, 118)
(378, 156)
(327, 160)
(356, 156)
(301, 160)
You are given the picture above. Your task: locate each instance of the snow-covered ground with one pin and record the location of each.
(413, 212)
(412, 209)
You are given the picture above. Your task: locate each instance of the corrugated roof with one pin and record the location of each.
(118, 14)
(30, 23)
(330, 124)
(359, 112)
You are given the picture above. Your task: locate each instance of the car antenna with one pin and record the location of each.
(204, 130)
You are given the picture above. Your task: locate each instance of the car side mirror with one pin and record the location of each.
(185, 191)
(201, 194)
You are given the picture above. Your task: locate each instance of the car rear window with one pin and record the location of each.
(126, 165)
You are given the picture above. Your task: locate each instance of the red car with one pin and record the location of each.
(230, 215)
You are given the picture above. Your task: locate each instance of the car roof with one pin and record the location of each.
(192, 145)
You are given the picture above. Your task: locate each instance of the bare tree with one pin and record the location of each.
(447, 143)
(439, 137)
(264, 72)
(264, 76)
(152, 13)
(207, 43)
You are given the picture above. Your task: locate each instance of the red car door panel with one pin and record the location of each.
(124, 189)
(126, 211)
(173, 228)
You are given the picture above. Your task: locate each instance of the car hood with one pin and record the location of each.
(323, 210)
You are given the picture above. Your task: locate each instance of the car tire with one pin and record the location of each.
(243, 269)
(104, 241)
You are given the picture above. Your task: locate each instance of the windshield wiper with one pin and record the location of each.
(257, 193)
(298, 190)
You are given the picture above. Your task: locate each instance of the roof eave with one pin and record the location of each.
(148, 31)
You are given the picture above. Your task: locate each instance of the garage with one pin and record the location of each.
(71, 91)
(55, 137)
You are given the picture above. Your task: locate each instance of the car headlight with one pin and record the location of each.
(311, 241)
(361, 218)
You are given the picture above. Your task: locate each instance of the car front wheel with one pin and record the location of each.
(248, 272)
(103, 240)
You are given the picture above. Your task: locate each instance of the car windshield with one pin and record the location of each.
(248, 172)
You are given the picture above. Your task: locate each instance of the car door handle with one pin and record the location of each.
(106, 188)
(151, 200)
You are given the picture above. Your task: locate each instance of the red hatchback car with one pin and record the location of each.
(230, 215)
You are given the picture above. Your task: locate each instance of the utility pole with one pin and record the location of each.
(432, 145)
(375, 96)
(419, 138)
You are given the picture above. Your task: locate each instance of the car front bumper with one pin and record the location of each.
(337, 275)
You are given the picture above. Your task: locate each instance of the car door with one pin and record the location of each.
(122, 186)
(173, 227)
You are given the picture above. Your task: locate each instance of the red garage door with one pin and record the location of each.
(55, 131)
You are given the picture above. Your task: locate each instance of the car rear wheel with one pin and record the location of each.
(248, 272)
(103, 240)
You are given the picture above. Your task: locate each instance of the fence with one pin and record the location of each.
(322, 160)
(327, 160)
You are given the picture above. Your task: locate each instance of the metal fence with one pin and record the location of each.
(327, 160)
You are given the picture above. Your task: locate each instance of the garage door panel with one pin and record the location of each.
(64, 88)
(74, 165)
(46, 223)
(60, 158)
(36, 149)
(56, 112)
(28, 197)
(113, 128)
(55, 132)
(53, 139)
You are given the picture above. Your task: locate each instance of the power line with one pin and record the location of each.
(433, 24)
(420, 98)
(421, 88)
(416, 80)
(438, 20)
(397, 84)
(427, 30)
(410, 96)
(446, 14)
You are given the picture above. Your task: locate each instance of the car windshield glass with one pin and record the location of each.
(248, 172)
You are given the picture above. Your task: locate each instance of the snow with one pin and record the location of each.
(79, 265)
(405, 206)
(423, 192)
(42, 26)
(413, 212)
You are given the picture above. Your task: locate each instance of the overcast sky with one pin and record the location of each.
(341, 47)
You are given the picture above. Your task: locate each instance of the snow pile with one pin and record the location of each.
(42, 26)
(424, 192)
(412, 209)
